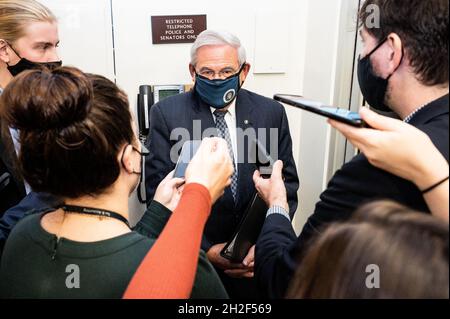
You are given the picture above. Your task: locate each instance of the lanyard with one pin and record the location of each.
(94, 212)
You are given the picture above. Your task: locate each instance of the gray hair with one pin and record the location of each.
(210, 37)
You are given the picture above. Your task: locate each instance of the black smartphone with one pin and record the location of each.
(246, 234)
(338, 114)
(187, 153)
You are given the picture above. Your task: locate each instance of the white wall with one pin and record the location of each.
(85, 34)
(325, 76)
(298, 38)
(139, 62)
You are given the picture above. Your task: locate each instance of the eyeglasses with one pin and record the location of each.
(222, 74)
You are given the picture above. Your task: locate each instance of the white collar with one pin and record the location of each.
(231, 109)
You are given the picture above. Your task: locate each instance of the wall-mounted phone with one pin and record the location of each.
(161, 92)
(145, 101)
(150, 95)
(147, 97)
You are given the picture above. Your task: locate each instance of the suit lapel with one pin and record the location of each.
(203, 113)
(244, 120)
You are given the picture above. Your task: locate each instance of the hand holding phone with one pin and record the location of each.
(338, 114)
(188, 151)
(211, 167)
(263, 160)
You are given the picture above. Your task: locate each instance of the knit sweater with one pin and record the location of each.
(35, 264)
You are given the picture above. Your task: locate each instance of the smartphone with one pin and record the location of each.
(338, 114)
(187, 153)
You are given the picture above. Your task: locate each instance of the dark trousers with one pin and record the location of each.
(242, 288)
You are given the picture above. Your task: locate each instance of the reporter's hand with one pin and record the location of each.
(397, 147)
(211, 167)
(168, 192)
(273, 190)
(217, 260)
(248, 263)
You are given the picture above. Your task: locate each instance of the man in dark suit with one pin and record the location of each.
(219, 107)
(404, 66)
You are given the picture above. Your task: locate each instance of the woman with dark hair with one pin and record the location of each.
(78, 143)
(385, 251)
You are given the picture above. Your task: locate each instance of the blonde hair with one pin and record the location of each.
(15, 15)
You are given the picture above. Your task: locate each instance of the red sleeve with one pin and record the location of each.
(168, 270)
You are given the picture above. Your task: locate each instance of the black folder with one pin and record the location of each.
(247, 232)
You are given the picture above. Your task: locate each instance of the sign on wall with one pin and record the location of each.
(177, 29)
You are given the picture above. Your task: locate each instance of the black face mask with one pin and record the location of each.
(372, 86)
(25, 64)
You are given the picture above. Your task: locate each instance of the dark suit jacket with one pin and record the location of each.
(278, 250)
(15, 191)
(252, 111)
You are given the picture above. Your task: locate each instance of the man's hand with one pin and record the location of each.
(397, 147)
(211, 167)
(244, 270)
(248, 263)
(273, 190)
